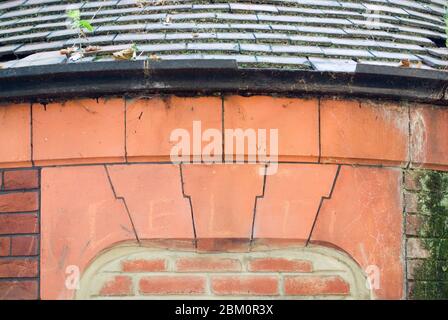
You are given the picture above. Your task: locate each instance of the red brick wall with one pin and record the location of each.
(277, 274)
(19, 234)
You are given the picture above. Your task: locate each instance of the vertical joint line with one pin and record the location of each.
(39, 236)
(122, 199)
(125, 130)
(408, 165)
(191, 205)
(255, 203)
(222, 130)
(319, 131)
(31, 135)
(322, 199)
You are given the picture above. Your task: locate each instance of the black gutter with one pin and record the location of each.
(200, 77)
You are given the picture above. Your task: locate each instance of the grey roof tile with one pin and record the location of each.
(33, 47)
(8, 49)
(255, 47)
(334, 65)
(238, 57)
(434, 62)
(274, 30)
(24, 37)
(253, 7)
(297, 61)
(342, 52)
(276, 18)
(10, 4)
(130, 37)
(163, 47)
(271, 36)
(394, 55)
(235, 36)
(190, 36)
(4, 32)
(439, 52)
(42, 58)
(297, 49)
(94, 40)
(143, 17)
(234, 16)
(120, 28)
(213, 46)
(320, 30)
(99, 4)
(20, 13)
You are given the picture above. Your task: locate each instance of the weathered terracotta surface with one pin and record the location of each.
(150, 122)
(364, 218)
(291, 200)
(153, 195)
(223, 198)
(15, 135)
(80, 217)
(79, 131)
(363, 132)
(429, 137)
(94, 205)
(296, 120)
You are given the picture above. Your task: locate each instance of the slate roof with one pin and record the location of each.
(297, 34)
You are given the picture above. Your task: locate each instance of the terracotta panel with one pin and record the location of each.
(364, 218)
(223, 197)
(150, 122)
(153, 194)
(429, 137)
(15, 135)
(362, 132)
(296, 120)
(80, 217)
(291, 200)
(79, 131)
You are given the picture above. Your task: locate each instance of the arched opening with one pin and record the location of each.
(128, 271)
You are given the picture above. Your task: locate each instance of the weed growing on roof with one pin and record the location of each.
(81, 26)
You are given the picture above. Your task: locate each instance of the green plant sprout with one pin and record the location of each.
(78, 24)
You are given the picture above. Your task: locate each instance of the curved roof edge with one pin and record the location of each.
(199, 77)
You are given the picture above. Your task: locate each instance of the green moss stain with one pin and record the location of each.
(431, 275)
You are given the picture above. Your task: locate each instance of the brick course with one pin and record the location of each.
(19, 238)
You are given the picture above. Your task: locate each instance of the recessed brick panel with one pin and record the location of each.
(289, 272)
